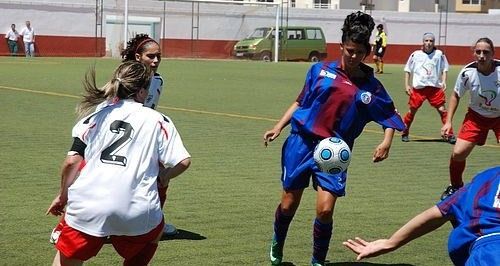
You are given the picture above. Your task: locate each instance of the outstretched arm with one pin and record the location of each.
(272, 134)
(423, 223)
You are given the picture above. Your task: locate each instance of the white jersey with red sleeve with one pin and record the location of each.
(116, 192)
(427, 69)
(484, 90)
(154, 91)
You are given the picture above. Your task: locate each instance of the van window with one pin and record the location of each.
(296, 34)
(314, 34)
(259, 33)
(273, 32)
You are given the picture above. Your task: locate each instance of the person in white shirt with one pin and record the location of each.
(427, 69)
(11, 38)
(115, 196)
(28, 34)
(482, 79)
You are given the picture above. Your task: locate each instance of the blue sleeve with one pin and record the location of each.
(383, 110)
(308, 84)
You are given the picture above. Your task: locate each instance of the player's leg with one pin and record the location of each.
(138, 250)
(61, 260)
(473, 132)
(459, 155)
(415, 100)
(75, 247)
(437, 99)
(377, 65)
(296, 161)
(283, 216)
(323, 225)
(168, 229)
(381, 65)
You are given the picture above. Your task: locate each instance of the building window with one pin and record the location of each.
(322, 4)
(471, 2)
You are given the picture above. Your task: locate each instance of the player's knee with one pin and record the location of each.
(324, 215)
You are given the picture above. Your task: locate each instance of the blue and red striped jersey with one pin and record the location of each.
(476, 210)
(332, 104)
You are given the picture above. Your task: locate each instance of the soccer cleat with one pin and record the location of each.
(314, 262)
(448, 192)
(276, 253)
(405, 138)
(169, 230)
(452, 139)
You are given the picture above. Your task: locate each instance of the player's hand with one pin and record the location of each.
(380, 50)
(445, 130)
(56, 208)
(409, 90)
(381, 152)
(366, 249)
(271, 135)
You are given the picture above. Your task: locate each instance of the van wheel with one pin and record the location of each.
(314, 57)
(265, 56)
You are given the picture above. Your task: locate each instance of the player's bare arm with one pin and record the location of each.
(382, 151)
(273, 133)
(69, 173)
(166, 174)
(423, 223)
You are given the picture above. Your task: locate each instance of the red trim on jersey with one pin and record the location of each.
(163, 129)
(84, 135)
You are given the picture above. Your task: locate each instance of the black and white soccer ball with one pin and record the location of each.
(332, 155)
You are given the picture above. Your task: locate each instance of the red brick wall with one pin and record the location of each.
(216, 49)
(62, 46)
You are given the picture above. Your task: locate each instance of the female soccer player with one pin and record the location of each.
(116, 194)
(338, 99)
(474, 211)
(427, 69)
(142, 49)
(482, 79)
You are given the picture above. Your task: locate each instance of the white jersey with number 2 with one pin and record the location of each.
(116, 192)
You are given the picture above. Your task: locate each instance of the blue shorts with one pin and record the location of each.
(298, 167)
(485, 251)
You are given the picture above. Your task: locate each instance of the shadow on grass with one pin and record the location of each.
(429, 140)
(183, 234)
(354, 264)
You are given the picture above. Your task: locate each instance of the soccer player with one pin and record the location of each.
(475, 213)
(427, 69)
(338, 99)
(143, 49)
(379, 47)
(482, 79)
(147, 51)
(115, 195)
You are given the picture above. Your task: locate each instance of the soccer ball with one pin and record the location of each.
(332, 155)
